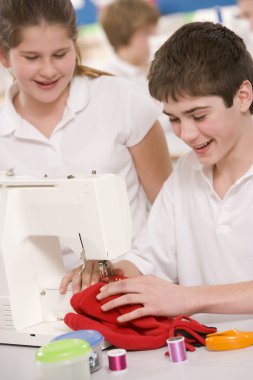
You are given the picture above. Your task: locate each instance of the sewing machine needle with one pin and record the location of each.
(104, 266)
(82, 256)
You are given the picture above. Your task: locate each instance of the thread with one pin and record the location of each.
(177, 350)
(117, 359)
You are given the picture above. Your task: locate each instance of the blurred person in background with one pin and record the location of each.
(128, 26)
(246, 11)
(244, 24)
(131, 28)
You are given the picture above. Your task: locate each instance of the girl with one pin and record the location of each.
(60, 118)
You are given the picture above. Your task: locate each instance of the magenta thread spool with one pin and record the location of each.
(117, 359)
(177, 350)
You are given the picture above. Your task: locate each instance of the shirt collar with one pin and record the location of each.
(8, 114)
(207, 171)
(11, 121)
(79, 94)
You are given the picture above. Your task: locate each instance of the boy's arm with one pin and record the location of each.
(161, 298)
(234, 298)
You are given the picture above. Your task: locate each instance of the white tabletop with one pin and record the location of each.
(17, 363)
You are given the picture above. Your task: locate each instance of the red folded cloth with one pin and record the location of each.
(140, 334)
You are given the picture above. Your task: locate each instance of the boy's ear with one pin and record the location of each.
(4, 59)
(245, 96)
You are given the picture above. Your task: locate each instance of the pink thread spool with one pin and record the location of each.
(117, 359)
(177, 350)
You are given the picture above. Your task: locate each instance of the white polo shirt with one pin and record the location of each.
(124, 69)
(103, 117)
(193, 237)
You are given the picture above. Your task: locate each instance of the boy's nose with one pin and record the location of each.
(188, 132)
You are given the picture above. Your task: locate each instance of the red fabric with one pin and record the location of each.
(140, 334)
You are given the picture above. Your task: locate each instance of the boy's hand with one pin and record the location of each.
(158, 297)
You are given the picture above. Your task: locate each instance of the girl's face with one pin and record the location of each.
(43, 63)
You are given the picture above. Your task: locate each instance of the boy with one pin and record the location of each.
(128, 25)
(196, 253)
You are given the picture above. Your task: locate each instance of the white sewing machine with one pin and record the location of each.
(35, 214)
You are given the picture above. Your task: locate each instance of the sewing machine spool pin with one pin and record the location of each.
(10, 172)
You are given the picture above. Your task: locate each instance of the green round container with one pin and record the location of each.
(66, 359)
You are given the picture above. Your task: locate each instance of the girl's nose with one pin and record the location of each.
(47, 69)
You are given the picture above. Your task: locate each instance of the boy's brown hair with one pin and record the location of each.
(200, 59)
(122, 18)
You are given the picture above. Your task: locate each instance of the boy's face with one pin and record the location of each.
(206, 125)
(246, 10)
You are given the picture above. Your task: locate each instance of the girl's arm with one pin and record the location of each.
(152, 160)
(91, 275)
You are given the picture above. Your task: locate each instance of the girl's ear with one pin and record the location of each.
(4, 59)
(245, 96)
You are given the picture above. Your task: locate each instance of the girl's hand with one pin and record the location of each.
(82, 278)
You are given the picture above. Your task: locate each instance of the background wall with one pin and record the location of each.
(172, 6)
(87, 11)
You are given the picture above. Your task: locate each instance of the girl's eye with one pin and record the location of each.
(31, 58)
(34, 57)
(59, 56)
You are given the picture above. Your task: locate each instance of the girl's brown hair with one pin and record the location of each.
(18, 14)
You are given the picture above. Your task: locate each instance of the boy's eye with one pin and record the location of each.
(199, 118)
(173, 120)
